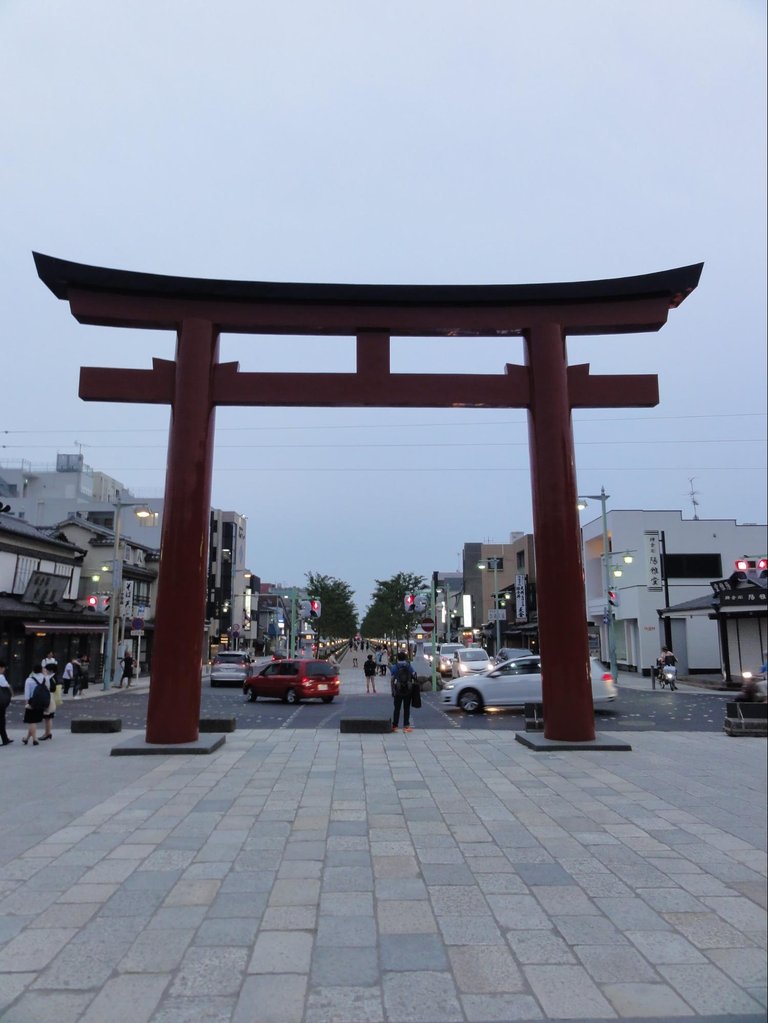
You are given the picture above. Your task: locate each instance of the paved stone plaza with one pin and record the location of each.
(300, 876)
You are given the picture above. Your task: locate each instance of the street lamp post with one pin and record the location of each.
(602, 497)
(117, 587)
(494, 564)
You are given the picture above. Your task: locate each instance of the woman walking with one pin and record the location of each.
(6, 695)
(369, 670)
(35, 705)
(49, 678)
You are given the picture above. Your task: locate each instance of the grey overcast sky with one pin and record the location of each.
(419, 142)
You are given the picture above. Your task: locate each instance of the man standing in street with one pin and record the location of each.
(403, 678)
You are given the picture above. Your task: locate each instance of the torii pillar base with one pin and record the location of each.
(541, 744)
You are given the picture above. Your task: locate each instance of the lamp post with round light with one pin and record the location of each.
(608, 568)
(143, 512)
(493, 563)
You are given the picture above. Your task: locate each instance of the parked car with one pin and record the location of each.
(231, 667)
(293, 680)
(469, 661)
(514, 683)
(447, 650)
(509, 653)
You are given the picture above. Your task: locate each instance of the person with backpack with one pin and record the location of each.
(6, 695)
(38, 697)
(403, 680)
(369, 670)
(50, 681)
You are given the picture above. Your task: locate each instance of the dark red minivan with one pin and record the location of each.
(293, 680)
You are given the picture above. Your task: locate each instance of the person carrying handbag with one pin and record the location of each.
(403, 684)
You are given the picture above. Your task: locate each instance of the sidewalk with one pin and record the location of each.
(300, 876)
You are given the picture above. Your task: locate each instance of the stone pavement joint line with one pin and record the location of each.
(299, 876)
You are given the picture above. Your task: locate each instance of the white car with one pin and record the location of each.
(515, 683)
(469, 661)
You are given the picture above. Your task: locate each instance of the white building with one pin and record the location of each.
(674, 560)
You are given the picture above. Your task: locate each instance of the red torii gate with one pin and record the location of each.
(199, 310)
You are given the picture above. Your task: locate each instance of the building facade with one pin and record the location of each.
(673, 562)
(40, 578)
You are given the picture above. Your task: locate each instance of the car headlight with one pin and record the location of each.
(448, 685)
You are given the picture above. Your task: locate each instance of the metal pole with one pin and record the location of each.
(434, 633)
(496, 604)
(607, 583)
(107, 672)
(292, 648)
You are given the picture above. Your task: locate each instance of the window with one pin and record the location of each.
(105, 519)
(693, 566)
(521, 560)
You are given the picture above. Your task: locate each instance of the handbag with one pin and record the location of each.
(416, 695)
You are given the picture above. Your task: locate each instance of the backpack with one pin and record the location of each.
(41, 697)
(403, 679)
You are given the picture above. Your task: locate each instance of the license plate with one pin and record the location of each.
(322, 686)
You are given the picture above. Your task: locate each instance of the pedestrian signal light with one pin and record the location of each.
(409, 602)
(314, 608)
(613, 598)
(103, 602)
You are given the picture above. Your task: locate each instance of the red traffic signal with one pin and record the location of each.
(409, 602)
(93, 600)
(314, 608)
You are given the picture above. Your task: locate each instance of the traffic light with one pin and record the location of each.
(315, 608)
(305, 608)
(93, 601)
(409, 602)
(103, 603)
(613, 598)
(420, 602)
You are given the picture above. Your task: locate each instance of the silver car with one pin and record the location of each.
(515, 683)
(447, 650)
(230, 668)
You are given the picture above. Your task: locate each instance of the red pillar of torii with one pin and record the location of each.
(199, 310)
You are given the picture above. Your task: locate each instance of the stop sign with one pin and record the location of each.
(427, 624)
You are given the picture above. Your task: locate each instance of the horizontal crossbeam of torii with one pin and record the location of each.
(199, 310)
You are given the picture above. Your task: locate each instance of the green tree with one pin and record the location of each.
(386, 615)
(338, 614)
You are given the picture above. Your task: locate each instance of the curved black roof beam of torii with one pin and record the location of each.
(372, 314)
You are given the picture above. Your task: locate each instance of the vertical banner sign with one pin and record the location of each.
(653, 559)
(521, 606)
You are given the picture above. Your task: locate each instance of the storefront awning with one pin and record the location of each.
(63, 627)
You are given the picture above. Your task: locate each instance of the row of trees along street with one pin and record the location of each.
(386, 615)
(338, 614)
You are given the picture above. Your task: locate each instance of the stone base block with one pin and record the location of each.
(537, 742)
(378, 726)
(137, 747)
(96, 725)
(218, 724)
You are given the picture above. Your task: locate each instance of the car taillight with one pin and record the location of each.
(607, 677)
(305, 681)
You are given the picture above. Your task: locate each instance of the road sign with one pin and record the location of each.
(427, 624)
(137, 632)
(137, 624)
(497, 616)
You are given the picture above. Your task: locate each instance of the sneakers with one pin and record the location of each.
(395, 728)
(407, 728)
